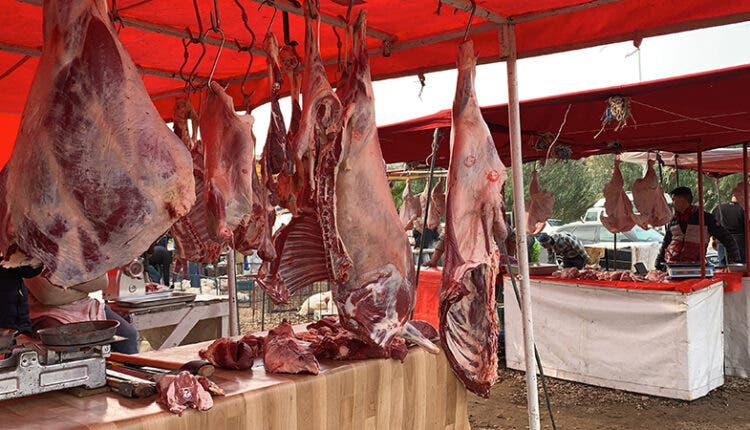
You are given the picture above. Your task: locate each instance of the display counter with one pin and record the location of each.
(421, 393)
(657, 342)
(737, 331)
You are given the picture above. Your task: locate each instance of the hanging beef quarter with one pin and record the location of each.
(229, 164)
(376, 298)
(95, 175)
(310, 237)
(411, 209)
(538, 207)
(617, 206)
(648, 198)
(474, 224)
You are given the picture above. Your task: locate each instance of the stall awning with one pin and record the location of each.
(406, 37)
(722, 161)
(670, 115)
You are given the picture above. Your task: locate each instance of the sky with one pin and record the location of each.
(398, 100)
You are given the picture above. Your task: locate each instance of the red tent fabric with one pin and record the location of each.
(722, 161)
(418, 40)
(670, 115)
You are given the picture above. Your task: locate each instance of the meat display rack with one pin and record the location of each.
(156, 299)
(36, 368)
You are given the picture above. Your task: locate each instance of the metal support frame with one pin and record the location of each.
(232, 291)
(507, 39)
(701, 213)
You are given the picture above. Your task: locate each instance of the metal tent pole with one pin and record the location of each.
(701, 218)
(747, 212)
(508, 47)
(232, 287)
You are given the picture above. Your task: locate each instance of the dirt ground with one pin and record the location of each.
(575, 406)
(579, 406)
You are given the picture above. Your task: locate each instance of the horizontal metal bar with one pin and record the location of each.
(287, 6)
(560, 11)
(479, 11)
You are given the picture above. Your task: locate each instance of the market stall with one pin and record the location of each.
(656, 340)
(422, 393)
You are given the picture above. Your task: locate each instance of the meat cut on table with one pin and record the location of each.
(648, 198)
(372, 285)
(95, 175)
(234, 354)
(284, 353)
(182, 391)
(538, 207)
(411, 208)
(474, 224)
(619, 216)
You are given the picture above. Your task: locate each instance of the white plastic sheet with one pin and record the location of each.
(660, 343)
(737, 331)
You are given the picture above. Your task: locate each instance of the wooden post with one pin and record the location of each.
(701, 218)
(232, 291)
(508, 47)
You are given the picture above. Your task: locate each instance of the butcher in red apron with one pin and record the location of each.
(682, 241)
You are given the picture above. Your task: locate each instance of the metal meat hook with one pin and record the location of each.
(471, 18)
(216, 28)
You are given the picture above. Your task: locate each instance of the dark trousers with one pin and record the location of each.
(126, 330)
(577, 262)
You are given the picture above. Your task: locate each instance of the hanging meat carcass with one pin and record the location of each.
(372, 285)
(538, 207)
(229, 164)
(183, 111)
(648, 198)
(474, 224)
(437, 205)
(290, 186)
(620, 217)
(411, 208)
(95, 175)
(276, 145)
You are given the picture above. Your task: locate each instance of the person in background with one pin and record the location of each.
(51, 306)
(532, 246)
(431, 237)
(14, 298)
(731, 216)
(159, 261)
(566, 246)
(682, 240)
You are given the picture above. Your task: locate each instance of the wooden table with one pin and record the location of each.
(422, 393)
(183, 316)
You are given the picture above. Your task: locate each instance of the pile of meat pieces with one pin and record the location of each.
(284, 351)
(185, 390)
(597, 275)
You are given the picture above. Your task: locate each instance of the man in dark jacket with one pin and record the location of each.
(731, 216)
(14, 298)
(682, 239)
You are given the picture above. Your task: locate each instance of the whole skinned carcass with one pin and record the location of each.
(290, 186)
(95, 175)
(474, 224)
(538, 207)
(648, 198)
(372, 285)
(620, 217)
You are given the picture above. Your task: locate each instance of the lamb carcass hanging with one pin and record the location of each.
(95, 175)
(411, 208)
(437, 205)
(620, 217)
(290, 186)
(648, 198)
(474, 224)
(538, 207)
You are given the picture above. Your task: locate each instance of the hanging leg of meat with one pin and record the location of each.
(192, 235)
(619, 209)
(538, 207)
(276, 138)
(377, 297)
(183, 111)
(309, 249)
(411, 209)
(648, 198)
(437, 205)
(474, 223)
(290, 186)
(229, 164)
(95, 175)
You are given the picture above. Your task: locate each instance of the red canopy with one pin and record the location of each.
(722, 161)
(407, 37)
(671, 115)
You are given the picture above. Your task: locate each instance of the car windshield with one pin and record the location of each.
(642, 235)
